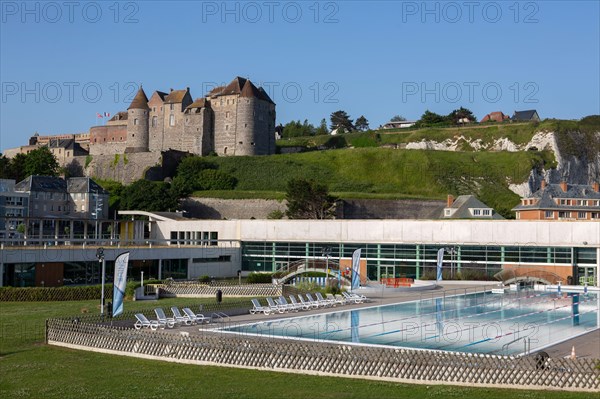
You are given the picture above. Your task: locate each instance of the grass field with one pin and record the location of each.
(387, 173)
(31, 369)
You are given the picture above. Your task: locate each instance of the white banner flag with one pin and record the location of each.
(120, 283)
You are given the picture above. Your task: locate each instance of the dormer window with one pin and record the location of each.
(447, 212)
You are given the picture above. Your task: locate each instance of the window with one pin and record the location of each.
(487, 212)
(171, 107)
(549, 215)
(447, 212)
(476, 212)
(595, 215)
(135, 122)
(153, 109)
(562, 202)
(581, 215)
(227, 114)
(563, 214)
(154, 120)
(226, 127)
(171, 120)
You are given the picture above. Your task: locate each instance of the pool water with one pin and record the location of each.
(511, 323)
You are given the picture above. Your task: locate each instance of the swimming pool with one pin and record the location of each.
(510, 323)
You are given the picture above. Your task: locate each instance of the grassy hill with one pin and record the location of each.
(387, 173)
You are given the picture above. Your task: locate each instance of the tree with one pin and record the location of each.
(322, 129)
(298, 129)
(41, 162)
(398, 118)
(149, 196)
(340, 119)
(307, 199)
(461, 113)
(16, 167)
(115, 190)
(4, 167)
(361, 124)
(431, 119)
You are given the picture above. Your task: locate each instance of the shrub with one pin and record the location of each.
(260, 278)
(204, 279)
(210, 179)
(276, 214)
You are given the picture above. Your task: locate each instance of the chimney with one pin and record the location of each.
(450, 201)
(596, 187)
(563, 186)
(544, 184)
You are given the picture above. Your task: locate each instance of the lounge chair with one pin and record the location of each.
(196, 318)
(341, 299)
(275, 307)
(258, 308)
(289, 306)
(319, 303)
(310, 304)
(163, 320)
(179, 318)
(327, 302)
(143, 322)
(335, 300)
(354, 297)
(300, 305)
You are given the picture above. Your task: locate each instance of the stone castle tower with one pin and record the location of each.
(237, 119)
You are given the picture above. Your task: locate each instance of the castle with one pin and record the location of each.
(237, 119)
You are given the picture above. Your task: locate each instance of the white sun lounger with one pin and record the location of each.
(143, 322)
(196, 318)
(275, 307)
(163, 320)
(300, 305)
(327, 302)
(258, 308)
(288, 306)
(179, 318)
(308, 302)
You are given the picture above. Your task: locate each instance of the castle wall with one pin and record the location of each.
(108, 139)
(197, 130)
(226, 115)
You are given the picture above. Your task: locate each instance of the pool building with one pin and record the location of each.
(164, 245)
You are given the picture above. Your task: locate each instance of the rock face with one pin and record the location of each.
(577, 156)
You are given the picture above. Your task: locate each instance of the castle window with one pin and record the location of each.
(226, 127)
(241, 142)
(135, 122)
(225, 150)
(171, 120)
(171, 106)
(227, 114)
(153, 109)
(245, 125)
(252, 143)
(133, 135)
(154, 120)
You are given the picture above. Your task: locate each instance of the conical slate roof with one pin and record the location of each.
(140, 100)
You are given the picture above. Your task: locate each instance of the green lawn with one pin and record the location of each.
(30, 369)
(387, 173)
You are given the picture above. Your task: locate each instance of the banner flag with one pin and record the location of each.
(120, 283)
(355, 269)
(107, 114)
(440, 260)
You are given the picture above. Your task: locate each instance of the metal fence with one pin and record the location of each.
(270, 353)
(206, 290)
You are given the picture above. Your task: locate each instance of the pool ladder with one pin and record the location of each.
(526, 345)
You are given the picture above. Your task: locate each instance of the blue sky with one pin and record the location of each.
(61, 64)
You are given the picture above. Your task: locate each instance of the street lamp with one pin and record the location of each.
(100, 256)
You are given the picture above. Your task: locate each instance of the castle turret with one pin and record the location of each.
(137, 123)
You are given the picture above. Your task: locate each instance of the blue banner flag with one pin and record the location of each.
(440, 261)
(120, 283)
(355, 269)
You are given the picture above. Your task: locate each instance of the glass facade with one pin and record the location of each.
(415, 260)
